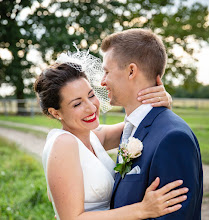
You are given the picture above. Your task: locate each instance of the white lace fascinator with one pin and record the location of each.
(92, 67)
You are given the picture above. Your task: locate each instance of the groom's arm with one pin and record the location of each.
(177, 157)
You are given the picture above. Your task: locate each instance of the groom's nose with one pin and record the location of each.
(103, 82)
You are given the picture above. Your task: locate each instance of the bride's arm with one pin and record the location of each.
(109, 135)
(65, 178)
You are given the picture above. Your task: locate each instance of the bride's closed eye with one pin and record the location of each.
(77, 104)
(92, 96)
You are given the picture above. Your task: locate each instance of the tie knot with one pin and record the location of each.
(127, 131)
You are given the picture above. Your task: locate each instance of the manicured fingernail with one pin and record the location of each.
(139, 93)
(184, 197)
(180, 181)
(186, 190)
(144, 101)
(139, 98)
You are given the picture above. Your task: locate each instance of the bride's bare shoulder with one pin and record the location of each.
(65, 139)
(64, 146)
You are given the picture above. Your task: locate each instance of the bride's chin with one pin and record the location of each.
(96, 124)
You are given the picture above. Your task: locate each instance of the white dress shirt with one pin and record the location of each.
(137, 116)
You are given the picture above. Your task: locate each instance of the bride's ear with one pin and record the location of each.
(132, 71)
(54, 113)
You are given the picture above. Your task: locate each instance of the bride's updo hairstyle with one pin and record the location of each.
(50, 82)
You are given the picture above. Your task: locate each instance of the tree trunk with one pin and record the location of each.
(21, 109)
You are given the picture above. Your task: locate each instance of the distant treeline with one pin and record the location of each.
(200, 91)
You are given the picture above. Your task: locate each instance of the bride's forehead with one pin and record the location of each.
(79, 86)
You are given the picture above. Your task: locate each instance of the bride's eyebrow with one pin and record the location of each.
(74, 100)
(90, 91)
(79, 97)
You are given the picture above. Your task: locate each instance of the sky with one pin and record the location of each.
(203, 68)
(203, 56)
(202, 63)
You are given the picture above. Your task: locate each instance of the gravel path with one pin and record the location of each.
(34, 145)
(33, 127)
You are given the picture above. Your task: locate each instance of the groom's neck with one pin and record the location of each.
(131, 107)
(133, 103)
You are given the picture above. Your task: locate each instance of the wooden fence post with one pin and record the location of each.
(5, 108)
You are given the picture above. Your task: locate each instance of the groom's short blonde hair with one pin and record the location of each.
(139, 46)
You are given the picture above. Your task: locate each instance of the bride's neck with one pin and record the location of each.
(83, 136)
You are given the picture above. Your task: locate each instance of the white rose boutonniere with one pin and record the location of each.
(129, 151)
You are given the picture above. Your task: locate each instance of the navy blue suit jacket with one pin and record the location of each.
(171, 152)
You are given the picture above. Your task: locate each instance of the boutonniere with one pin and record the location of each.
(128, 152)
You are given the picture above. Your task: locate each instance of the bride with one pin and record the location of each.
(79, 173)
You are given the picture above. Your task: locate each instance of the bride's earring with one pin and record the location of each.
(60, 119)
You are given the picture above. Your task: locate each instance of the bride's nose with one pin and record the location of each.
(90, 107)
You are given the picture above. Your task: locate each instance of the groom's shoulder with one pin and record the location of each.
(172, 121)
(170, 125)
(169, 115)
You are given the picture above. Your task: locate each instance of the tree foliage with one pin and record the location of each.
(51, 28)
(200, 92)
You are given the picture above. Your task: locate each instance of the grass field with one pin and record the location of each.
(198, 120)
(22, 186)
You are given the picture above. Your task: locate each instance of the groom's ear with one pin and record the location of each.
(132, 71)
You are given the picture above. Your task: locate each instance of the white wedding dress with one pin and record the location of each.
(98, 171)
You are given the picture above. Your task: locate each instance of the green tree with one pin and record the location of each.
(14, 38)
(203, 92)
(51, 28)
(199, 92)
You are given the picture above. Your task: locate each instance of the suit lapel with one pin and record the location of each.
(141, 133)
(144, 126)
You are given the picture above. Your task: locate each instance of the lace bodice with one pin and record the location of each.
(98, 171)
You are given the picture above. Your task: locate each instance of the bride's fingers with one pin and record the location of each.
(175, 201)
(154, 185)
(159, 104)
(153, 89)
(158, 96)
(171, 209)
(172, 205)
(168, 187)
(175, 193)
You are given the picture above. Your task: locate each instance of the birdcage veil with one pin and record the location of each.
(85, 62)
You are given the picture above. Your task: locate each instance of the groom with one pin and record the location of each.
(132, 60)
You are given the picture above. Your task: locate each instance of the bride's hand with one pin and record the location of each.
(156, 96)
(164, 200)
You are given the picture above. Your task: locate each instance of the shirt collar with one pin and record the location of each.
(138, 114)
